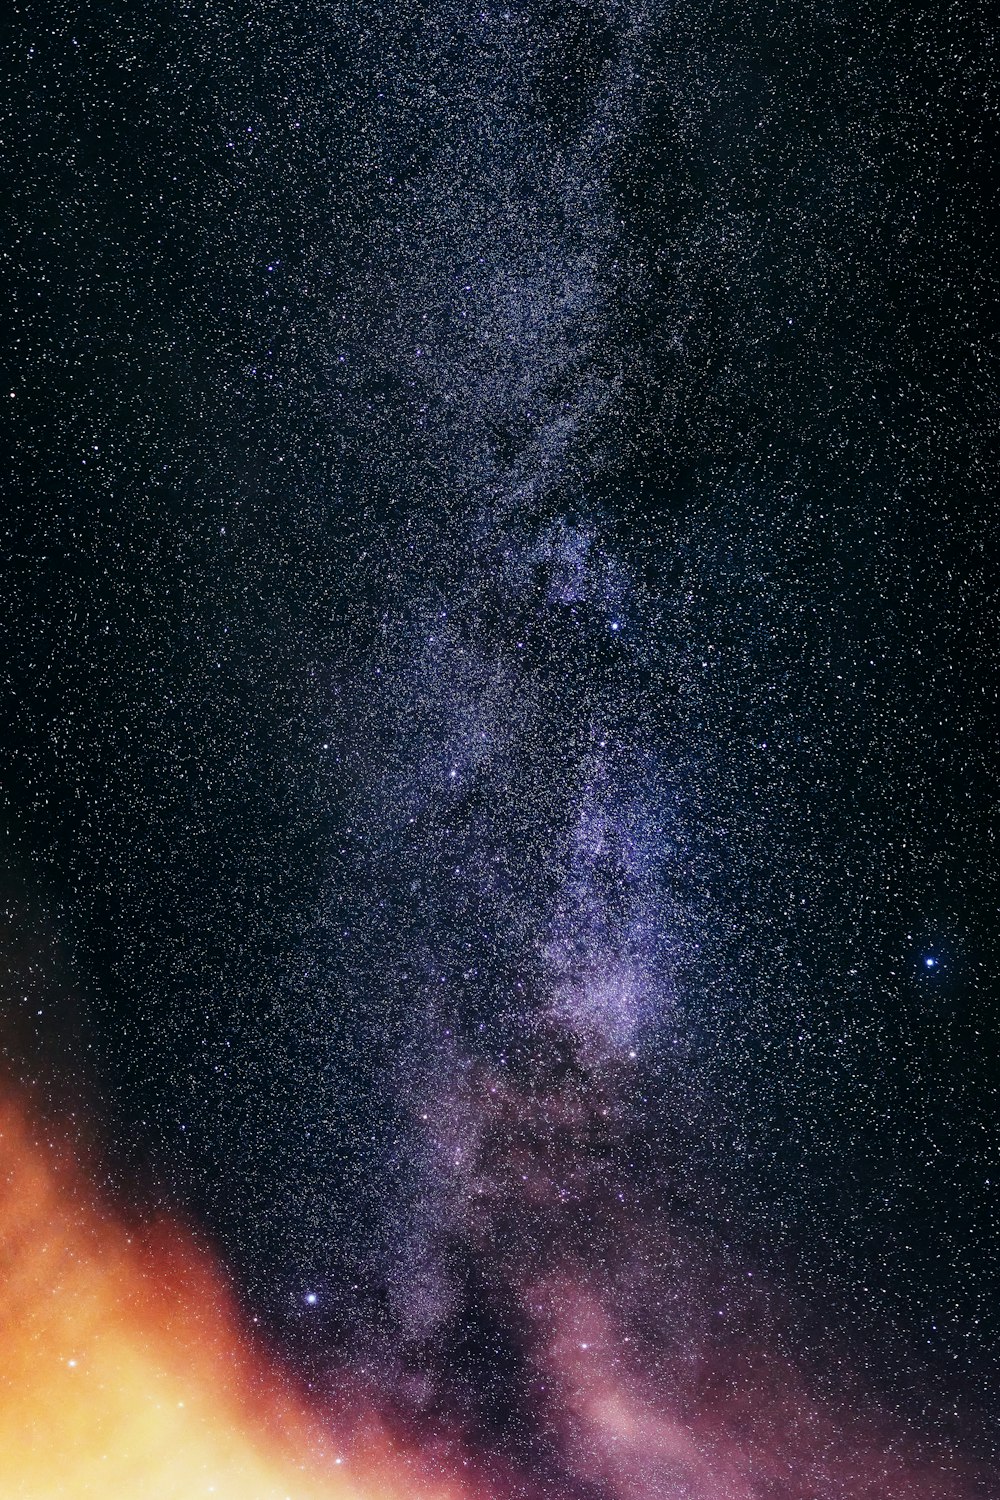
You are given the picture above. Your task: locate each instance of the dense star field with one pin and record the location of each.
(499, 780)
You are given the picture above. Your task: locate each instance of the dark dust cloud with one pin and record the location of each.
(500, 660)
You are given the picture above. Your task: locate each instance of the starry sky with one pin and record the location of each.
(498, 777)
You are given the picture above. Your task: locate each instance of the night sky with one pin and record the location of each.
(499, 799)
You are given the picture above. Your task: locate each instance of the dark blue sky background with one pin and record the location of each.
(500, 583)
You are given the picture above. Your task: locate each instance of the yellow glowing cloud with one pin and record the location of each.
(124, 1374)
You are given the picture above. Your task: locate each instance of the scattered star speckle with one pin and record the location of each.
(500, 875)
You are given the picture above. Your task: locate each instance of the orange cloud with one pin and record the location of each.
(124, 1373)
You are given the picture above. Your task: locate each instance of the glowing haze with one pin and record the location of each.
(124, 1372)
